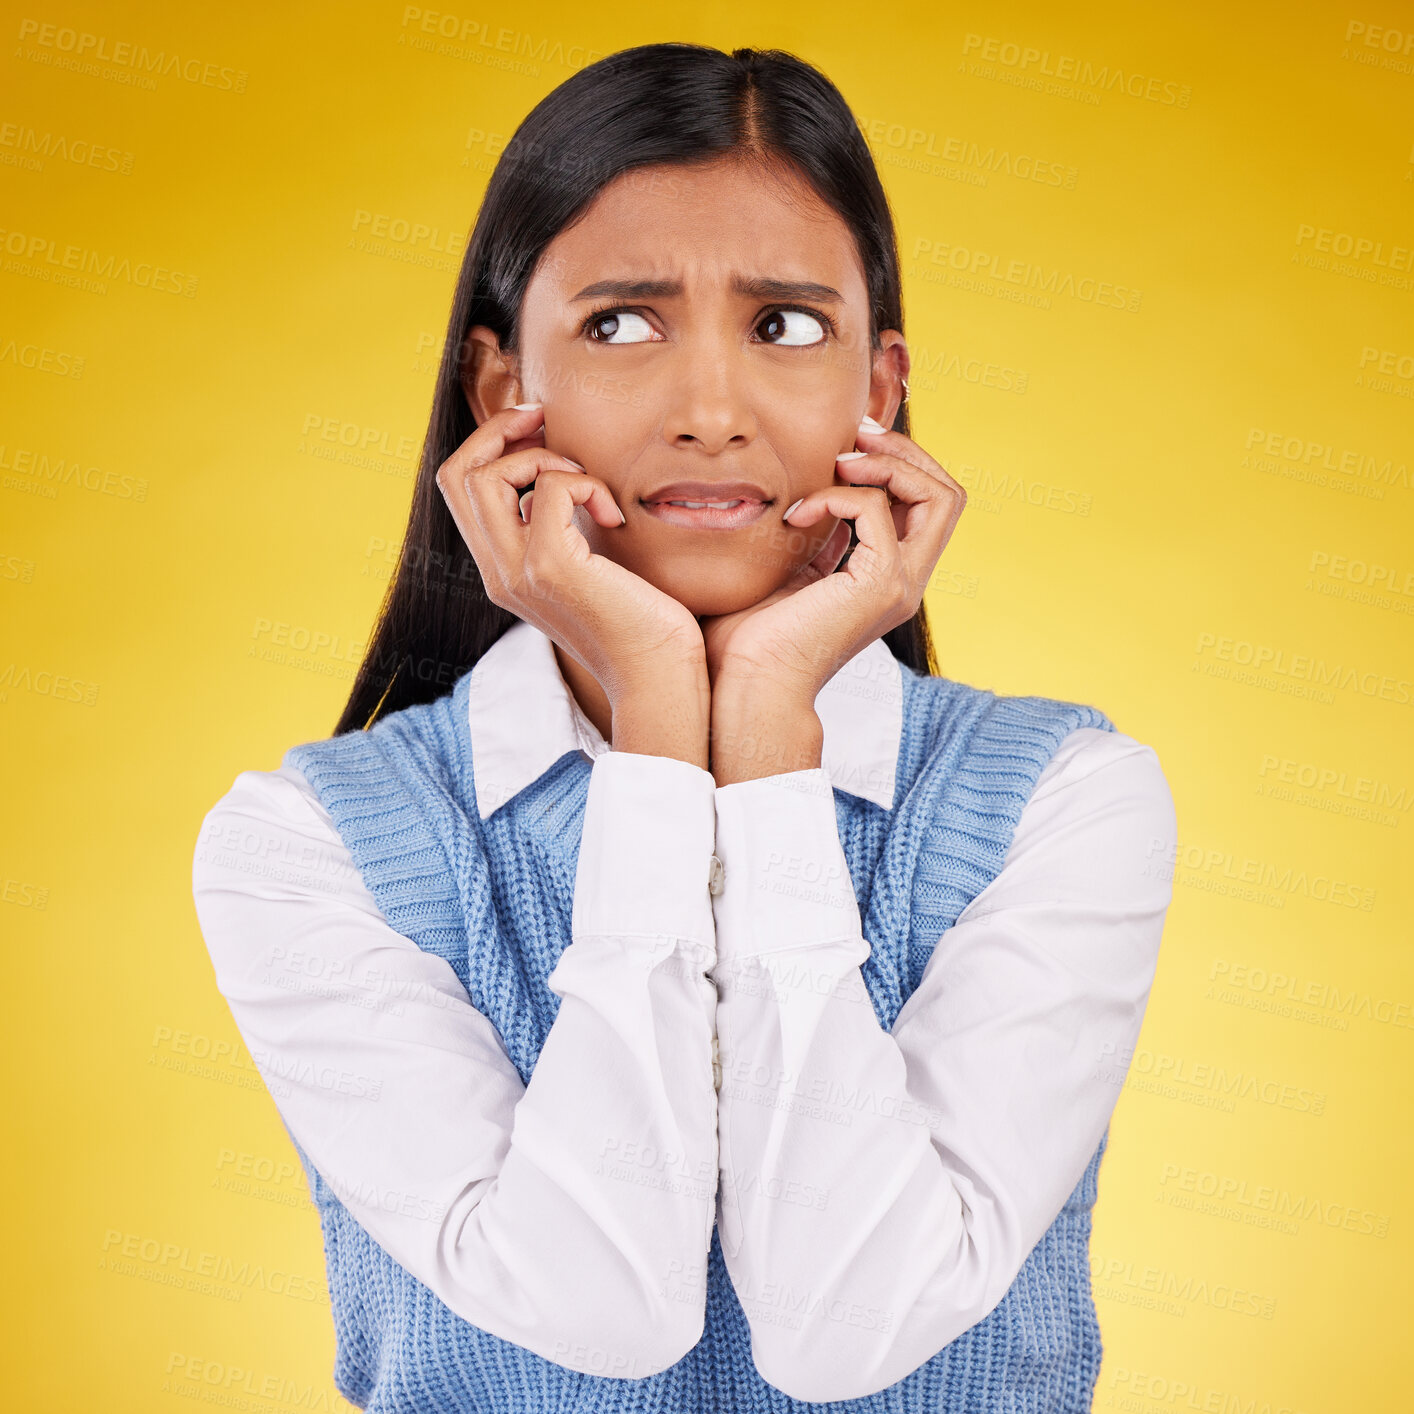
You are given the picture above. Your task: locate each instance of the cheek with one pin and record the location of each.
(814, 420)
(808, 449)
(595, 425)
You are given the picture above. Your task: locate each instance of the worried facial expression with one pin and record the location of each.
(701, 334)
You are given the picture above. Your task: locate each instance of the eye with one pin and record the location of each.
(796, 327)
(618, 326)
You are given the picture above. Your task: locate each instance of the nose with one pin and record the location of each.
(707, 406)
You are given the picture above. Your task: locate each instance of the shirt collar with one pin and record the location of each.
(523, 718)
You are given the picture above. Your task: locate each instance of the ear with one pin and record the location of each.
(889, 368)
(490, 379)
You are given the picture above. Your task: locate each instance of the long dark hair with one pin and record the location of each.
(655, 103)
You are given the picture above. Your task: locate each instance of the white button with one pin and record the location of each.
(716, 876)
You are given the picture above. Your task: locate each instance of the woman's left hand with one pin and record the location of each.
(904, 507)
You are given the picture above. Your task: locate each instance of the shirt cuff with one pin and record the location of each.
(645, 853)
(785, 881)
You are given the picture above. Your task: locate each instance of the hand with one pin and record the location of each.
(622, 629)
(796, 639)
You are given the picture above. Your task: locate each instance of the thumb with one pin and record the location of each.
(827, 558)
(826, 561)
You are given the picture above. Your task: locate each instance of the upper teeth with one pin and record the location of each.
(699, 505)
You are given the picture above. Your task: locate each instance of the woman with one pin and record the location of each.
(680, 997)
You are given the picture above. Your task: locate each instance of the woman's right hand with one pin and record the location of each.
(635, 639)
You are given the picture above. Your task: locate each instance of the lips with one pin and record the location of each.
(707, 491)
(710, 505)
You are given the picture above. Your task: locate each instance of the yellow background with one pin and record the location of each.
(1147, 518)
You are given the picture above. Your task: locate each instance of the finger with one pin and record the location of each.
(827, 559)
(611, 518)
(901, 478)
(551, 538)
(521, 444)
(522, 562)
(578, 488)
(506, 430)
(489, 441)
(877, 559)
(898, 444)
(866, 506)
(821, 565)
(483, 500)
(927, 510)
(509, 430)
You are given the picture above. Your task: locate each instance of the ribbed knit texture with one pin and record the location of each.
(494, 899)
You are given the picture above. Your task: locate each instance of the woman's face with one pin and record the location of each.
(705, 324)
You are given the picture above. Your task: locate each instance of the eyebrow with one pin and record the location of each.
(756, 287)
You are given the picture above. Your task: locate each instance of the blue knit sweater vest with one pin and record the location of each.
(494, 899)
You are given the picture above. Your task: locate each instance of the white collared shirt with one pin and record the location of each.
(715, 1055)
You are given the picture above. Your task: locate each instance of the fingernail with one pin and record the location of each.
(573, 463)
(786, 514)
(867, 424)
(527, 407)
(622, 517)
(524, 498)
(850, 456)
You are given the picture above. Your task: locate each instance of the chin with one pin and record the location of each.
(707, 581)
(713, 587)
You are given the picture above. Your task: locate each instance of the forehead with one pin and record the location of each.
(704, 222)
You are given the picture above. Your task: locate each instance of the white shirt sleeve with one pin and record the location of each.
(571, 1215)
(881, 1190)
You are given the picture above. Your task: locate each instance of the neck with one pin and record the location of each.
(592, 699)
